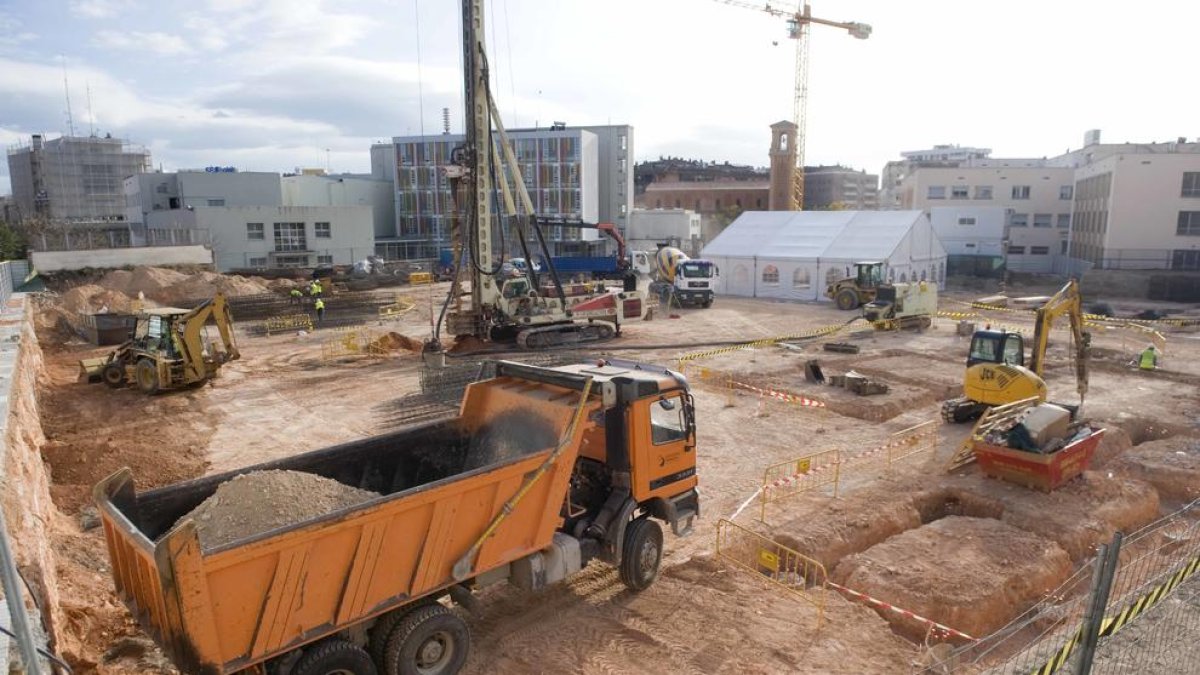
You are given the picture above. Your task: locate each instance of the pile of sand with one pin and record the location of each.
(170, 287)
(262, 501)
(393, 341)
(93, 299)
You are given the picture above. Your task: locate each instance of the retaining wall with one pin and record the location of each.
(158, 256)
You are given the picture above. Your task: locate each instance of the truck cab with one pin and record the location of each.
(695, 282)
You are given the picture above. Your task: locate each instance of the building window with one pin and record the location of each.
(966, 220)
(1016, 250)
(325, 260)
(257, 262)
(254, 231)
(937, 192)
(718, 205)
(216, 202)
(1062, 247)
(1066, 191)
(1043, 219)
(677, 203)
(958, 192)
(1064, 221)
(969, 245)
(1189, 224)
(1039, 250)
(758, 203)
(983, 192)
(322, 231)
(770, 275)
(801, 278)
(1020, 192)
(1018, 220)
(623, 141)
(162, 188)
(1191, 184)
(738, 203)
(291, 261)
(621, 166)
(1185, 260)
(290, 237)
(658, 203)
(697, 205)
(623, 209)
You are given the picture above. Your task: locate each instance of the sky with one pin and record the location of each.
(272, 85)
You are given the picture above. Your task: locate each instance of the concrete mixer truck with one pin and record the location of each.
(676, 278)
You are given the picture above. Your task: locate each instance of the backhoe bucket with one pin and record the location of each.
(91, 370)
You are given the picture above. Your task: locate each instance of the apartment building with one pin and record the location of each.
(894, 172)
(1036, 202)
(827, 187)
(572, 173)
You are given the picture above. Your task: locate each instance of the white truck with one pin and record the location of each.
(676, 278)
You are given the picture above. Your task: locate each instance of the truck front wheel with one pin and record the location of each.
(431, 640)
(641, 554)
(335, 657)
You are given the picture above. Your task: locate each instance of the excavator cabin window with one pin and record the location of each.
(996, 347)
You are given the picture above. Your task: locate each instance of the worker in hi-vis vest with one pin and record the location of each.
(320, 307)
(1149, 358)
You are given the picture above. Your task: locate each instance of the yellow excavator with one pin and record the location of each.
(169, 349)
(996, 372)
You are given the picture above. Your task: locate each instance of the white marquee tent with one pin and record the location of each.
(794, 254)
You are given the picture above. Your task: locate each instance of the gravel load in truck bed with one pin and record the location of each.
(261, 501)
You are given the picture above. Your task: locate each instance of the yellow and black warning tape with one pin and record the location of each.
(765, 342)
(1089, 317)
(1113, 624)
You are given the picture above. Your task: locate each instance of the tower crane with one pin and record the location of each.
(799, 22)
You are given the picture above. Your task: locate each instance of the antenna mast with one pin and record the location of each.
(67, 91)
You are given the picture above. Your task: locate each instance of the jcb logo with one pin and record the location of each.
(987, 374)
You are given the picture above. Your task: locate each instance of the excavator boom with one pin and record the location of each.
(1065, 301)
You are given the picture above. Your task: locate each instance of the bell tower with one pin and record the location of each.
(783, 166)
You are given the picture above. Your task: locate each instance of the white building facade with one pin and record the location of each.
(246, 222)
(650, 228)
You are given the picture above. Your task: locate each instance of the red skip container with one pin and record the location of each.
(1035, 470)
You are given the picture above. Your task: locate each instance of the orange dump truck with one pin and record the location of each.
(542, 471)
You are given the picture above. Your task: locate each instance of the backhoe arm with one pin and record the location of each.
(216, 309)
(1066, 301)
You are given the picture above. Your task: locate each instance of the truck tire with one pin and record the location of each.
(846, 299)
(383, 628)
(641, 554)
(431, 640)
(114, 375)
(335, 657)
(147, 377)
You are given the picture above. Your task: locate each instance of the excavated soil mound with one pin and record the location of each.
(262, 501)
(170, 286)
(393, 341)
(1171, 465)
(91, 298)
(972, 574)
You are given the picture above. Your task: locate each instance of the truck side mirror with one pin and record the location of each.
(667, 404)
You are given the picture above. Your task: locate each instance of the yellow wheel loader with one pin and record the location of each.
(853, 292)
(169, 349)
(996, 372)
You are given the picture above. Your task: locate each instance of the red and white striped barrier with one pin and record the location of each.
(902, 612)
(782, 396)
(907, 440)
(778, 483)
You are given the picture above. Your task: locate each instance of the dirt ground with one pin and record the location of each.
(703, 615)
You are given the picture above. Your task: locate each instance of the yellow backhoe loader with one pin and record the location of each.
(996, 372)
(169, 350)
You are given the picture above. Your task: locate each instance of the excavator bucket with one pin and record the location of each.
(91, 370)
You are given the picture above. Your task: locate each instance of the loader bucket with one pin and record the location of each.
(90, 370)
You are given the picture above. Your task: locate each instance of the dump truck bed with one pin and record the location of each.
(440, 485)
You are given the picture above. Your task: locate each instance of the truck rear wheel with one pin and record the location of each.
(846, 299)
(641, 554)
(114, 375)
(383, 629)
(335, 657)
(431, 640)
(147, 376)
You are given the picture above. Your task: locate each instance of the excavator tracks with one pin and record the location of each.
(544, 337)
(959, 410)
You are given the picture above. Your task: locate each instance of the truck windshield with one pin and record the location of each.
(697, 271)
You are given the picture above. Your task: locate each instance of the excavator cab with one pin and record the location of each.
(869, 274)
(993, 346)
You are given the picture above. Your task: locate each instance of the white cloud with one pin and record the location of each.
(100, 9)
(13, 33)
(154, 42)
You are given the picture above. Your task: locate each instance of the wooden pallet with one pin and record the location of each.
(996, 418)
